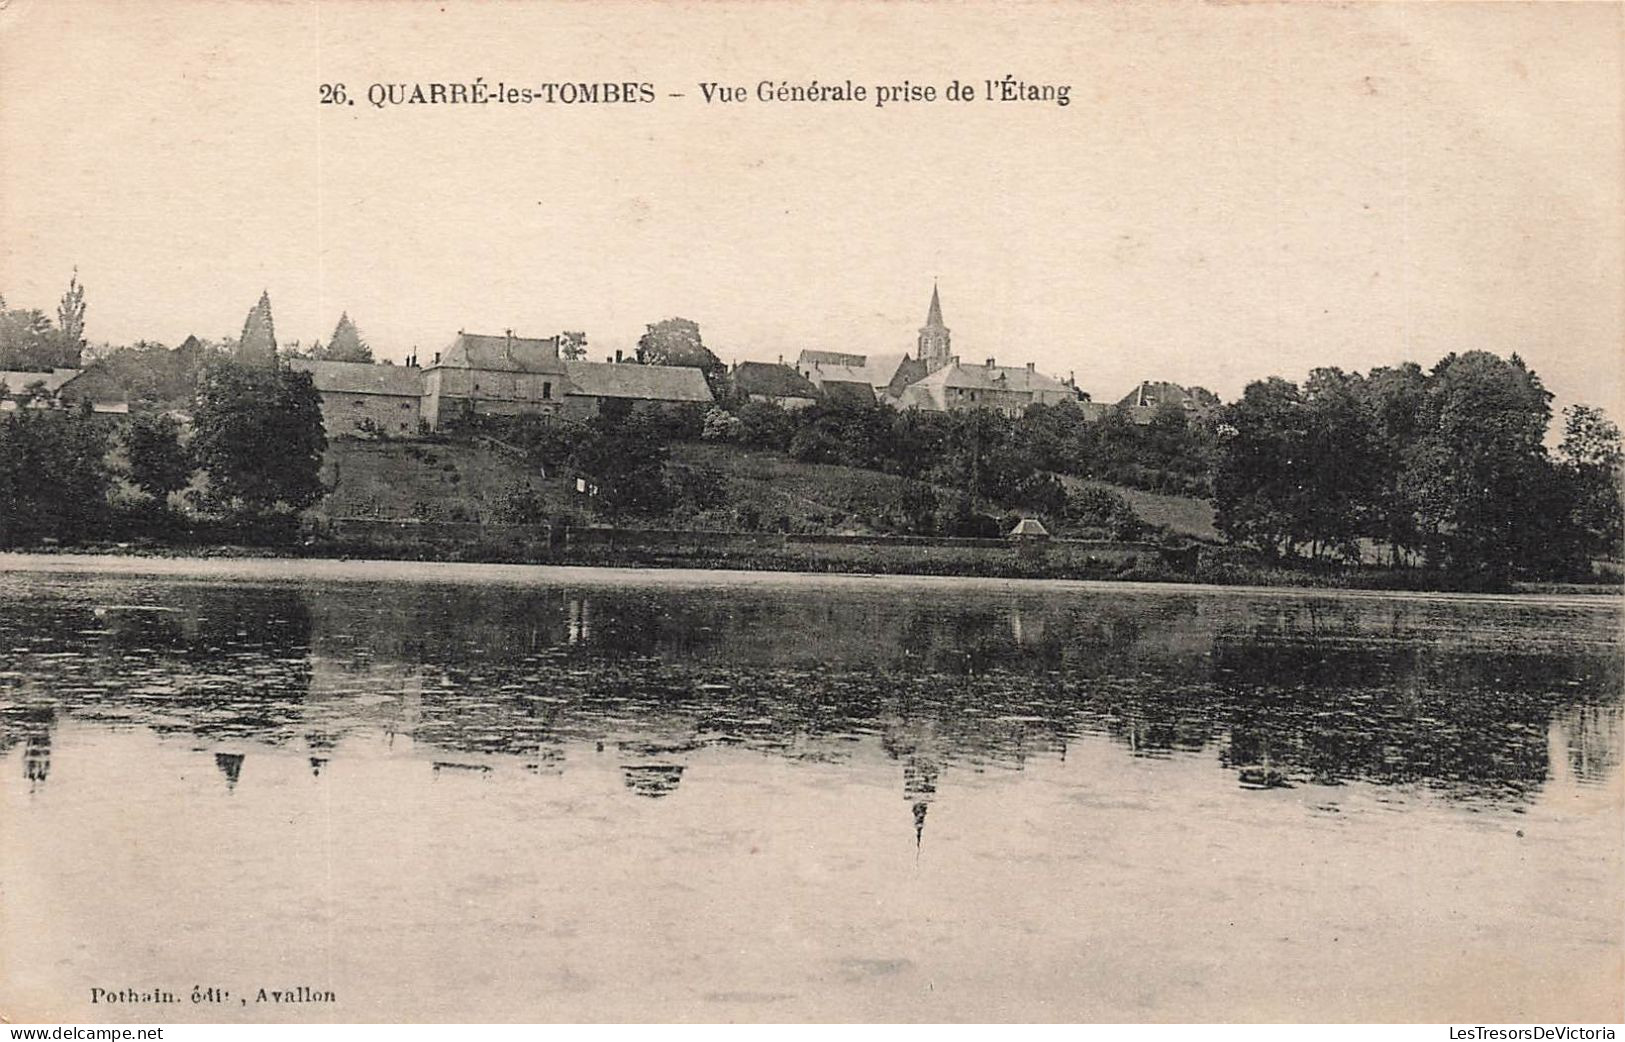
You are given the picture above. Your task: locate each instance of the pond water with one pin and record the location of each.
(504, 793)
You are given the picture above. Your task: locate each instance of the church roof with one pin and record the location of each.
(933, 317)
(504, 353)
(824, 373)
(881, 368)
(848, 392)
(993, 377)
(810, 357)
(650, 383)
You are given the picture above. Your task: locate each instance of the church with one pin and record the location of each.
(934, 379)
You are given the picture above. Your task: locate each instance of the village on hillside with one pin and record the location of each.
(508, 374)
(911, 452)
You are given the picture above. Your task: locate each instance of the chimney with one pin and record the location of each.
(437, 358)
(990, 363)
(617, 354)
(1032, 367)
(781, 359)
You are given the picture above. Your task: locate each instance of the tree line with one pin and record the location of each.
(1446, 468)
(243, 467)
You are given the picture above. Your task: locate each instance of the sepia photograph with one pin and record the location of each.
(812, 512)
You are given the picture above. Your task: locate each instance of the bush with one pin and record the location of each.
(520, 505)
(721, 425)
(1102, 508)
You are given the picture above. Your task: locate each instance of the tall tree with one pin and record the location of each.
(573, 345)
(159, 464)
(259, 435)
(676, 341)
(53, 476)
(1594, 462)
(1393, 399)
(28, 341)
(70, 323)
(1259, 476)
(257, 345)
(345, 345)
(1480, 454)
(1340, 466)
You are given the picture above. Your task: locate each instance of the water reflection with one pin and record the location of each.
(1476, 700)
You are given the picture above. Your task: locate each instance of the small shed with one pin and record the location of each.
(1029, 528)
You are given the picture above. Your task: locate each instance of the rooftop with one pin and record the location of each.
(658, 383)
(503, 353)
(360, 377)
(770, 378)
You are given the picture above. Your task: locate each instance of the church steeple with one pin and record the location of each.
(935, 343)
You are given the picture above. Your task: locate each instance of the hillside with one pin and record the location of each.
(465, 481)
(1183, 515)
(457, 481)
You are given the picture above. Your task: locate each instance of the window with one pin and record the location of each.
(547, 389)
(406, 405)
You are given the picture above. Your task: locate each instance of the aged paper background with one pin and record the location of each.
(1232, 191)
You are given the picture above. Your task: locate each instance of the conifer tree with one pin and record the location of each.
(346, 345)
(257, 345)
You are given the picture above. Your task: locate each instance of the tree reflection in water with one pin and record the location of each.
(1481, 700)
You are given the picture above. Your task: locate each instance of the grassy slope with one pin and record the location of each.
(815, 496)
(387, 480)
(1182, 514)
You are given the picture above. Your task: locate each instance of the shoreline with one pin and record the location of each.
(265, 564)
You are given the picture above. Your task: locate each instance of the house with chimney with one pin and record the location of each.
(362, 396)
(772, 382)
(482, 375)
(486, 375)
(1149, 396)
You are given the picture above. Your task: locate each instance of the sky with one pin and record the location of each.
(1234, 191)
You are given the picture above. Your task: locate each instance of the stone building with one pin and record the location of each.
(1148, 396)
(482, 375)
(591, 385)
(93, 389)
(1010, 390)
(773, 382)
(358, 396)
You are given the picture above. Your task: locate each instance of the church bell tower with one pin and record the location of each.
(935, 347)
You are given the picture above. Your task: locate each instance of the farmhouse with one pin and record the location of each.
(591, 385)
(36, 389)
(482, 375)
(1005, 389)
(773, 382)
(360, 396)
(93, 388)
(1142, 404)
